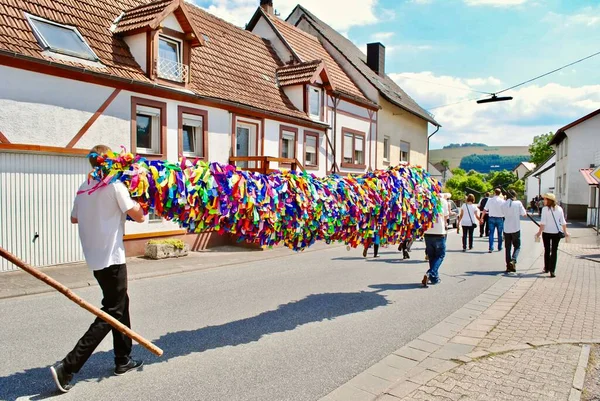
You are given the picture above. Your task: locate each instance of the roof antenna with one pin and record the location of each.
(277, 13)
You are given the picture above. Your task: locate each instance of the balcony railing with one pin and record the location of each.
(172, 70)
(262, 164)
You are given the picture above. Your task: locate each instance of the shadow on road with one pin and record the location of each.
(37, 382)
(398, 261)
(396, 287)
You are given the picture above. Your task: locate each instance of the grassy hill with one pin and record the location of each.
(455, 155)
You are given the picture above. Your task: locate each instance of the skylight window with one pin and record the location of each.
(62, 39)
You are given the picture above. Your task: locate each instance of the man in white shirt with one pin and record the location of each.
(435, 244)
(101, 216)
(493, 208)
(513, 210)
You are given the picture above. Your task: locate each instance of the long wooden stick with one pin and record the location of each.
(85, 305)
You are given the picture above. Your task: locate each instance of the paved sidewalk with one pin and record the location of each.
(523, 339)
(19, 283)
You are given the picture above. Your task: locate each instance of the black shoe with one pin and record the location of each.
(128, 367)
(376, 256)
(464, 249)
(406, 255)
(61, 377)
(470, 248)
(552, 275)
(490, 251)
(513, 266)
(424, 281)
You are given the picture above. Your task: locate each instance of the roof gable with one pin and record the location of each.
(384, 84)
(561, 133)
(304, 73)
(150, 16)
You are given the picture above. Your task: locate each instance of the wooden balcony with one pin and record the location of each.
(262, 164)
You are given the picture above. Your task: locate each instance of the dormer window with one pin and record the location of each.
(170, 59)
(60, 39)
(314, 102)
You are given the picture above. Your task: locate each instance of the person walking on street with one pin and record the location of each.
(553, 227)
(435, 244)
(493, 208)
(469, 215)
(100, 215)
(513, 209)
(484, 228)
(405, 248)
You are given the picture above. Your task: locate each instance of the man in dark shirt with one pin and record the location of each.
(484, 227)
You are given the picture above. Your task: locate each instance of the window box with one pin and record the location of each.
(148, 127)
(353, 146)
(311, 150)
(192, 132)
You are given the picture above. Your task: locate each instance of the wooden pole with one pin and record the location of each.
(85, 305)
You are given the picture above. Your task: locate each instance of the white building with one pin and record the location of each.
(522, 169)
(540, 180)
(162, 79)
(576, 145)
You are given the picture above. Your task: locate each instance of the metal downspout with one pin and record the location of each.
(428, 138)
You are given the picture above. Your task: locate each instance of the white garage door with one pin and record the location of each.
(36, 194)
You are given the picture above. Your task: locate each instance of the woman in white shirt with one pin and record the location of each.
(469, 215)
(553, 227)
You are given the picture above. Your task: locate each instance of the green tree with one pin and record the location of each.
(501, 178)
(519, 188)
(445, 166)
(462, 184)
(540, 150)
(459, 171)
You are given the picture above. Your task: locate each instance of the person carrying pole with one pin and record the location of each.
(100, 214)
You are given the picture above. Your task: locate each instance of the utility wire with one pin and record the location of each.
(447, 86)
(451, 104)
(548, 73)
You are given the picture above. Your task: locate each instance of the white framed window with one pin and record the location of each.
(192, 135)
(565, 141)
(404, 152)
(353, 148)
(62, 39)
(564, 184)
(148, 126)
(558, 185)
(386, 148)
(170, 59)
(288, 144)
(311, 148)
(314, 101)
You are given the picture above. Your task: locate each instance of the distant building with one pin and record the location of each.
(540, 180)
(523, 168)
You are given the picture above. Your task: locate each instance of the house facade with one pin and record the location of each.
(522, 169)
(163, 79)
(576, 146)
(402, 125)
(324, 91)
(540, 180)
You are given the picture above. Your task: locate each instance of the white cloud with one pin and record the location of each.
(382, 35)
(487, 82)
(495, 3)
(587, 17)
(355, 12)
(534, 110)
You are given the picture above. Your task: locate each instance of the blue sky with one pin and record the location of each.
(439, 49)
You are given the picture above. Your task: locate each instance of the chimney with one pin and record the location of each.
(267, 6)
(376, 58)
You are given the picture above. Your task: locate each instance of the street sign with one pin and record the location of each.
(596, 174)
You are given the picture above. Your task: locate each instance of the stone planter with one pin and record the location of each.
(165, 251)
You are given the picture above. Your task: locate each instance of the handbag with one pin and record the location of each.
(474, 225)
(560, 233)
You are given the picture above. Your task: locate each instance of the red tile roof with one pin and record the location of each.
(308, 48)
(298, 73)
(233, 65)
(141, 16)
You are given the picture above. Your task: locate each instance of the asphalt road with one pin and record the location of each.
(292, 328)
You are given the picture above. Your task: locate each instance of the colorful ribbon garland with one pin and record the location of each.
(296, 208)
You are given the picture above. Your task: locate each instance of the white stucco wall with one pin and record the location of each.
(400, 125)
(581, 149)
(546, 184)
(172, 23)
(264, 30)
(296, 95)
(137, 47)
